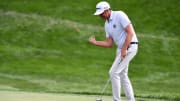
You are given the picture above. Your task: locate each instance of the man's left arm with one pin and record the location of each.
(130, 32)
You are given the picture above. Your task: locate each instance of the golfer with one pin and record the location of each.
(119, 30)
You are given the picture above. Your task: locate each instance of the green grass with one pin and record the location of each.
(45, 48)
(32, 96)
(155, 17)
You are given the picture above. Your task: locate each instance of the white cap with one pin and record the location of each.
(101, 7)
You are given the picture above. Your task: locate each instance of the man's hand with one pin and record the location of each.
(123, 52)
(92, 39)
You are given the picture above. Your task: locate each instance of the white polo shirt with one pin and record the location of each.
(115, 28)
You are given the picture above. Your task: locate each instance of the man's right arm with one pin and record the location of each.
(108, 43)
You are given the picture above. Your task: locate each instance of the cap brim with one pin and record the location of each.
(98, 12)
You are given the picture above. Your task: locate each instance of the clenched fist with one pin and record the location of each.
(92, 39)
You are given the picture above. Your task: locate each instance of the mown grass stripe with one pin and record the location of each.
(44, 82)
(79, 27)
(51, 21)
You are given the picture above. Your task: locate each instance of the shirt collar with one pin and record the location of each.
(110, 18)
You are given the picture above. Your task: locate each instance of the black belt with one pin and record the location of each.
(134, 43)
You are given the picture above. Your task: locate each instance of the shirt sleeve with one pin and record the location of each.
(124, 20)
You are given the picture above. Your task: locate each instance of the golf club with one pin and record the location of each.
(102, 92)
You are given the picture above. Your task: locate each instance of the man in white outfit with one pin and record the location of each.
(119, 30)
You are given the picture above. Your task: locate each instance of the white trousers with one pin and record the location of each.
(119, 74)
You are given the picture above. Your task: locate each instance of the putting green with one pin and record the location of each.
(31, 96)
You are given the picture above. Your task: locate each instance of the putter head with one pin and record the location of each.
(99, 99)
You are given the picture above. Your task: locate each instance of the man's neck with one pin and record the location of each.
(109, 16)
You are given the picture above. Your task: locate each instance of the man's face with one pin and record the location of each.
(105, 15)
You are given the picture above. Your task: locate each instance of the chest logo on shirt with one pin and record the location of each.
(114, 26)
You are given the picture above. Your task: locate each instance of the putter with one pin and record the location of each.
(102, 92)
